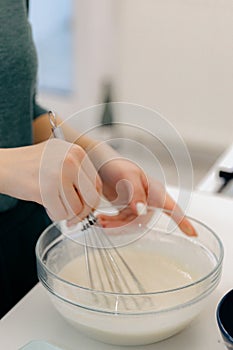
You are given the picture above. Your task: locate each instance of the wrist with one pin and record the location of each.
(101, 153)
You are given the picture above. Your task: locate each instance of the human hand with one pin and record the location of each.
(56, 174)
(126, 183)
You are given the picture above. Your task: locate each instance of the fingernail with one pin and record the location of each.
(141, 208)
(189, 230)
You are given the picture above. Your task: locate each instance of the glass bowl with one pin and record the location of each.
(177, 272)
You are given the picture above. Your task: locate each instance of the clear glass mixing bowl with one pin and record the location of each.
(134, 318)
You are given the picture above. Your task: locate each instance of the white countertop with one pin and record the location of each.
(35, 318)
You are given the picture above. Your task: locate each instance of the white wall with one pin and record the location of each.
(177, 57)
(172, 55)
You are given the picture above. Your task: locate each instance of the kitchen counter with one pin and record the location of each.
(35, 318)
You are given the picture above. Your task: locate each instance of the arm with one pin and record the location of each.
(42, 132)
(46, 173)
(3, 171)
(122, 180)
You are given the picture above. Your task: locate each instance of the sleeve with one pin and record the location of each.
(37, 109)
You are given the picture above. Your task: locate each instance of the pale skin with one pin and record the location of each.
(68, 196)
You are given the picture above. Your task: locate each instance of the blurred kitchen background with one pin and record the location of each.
(174, 56)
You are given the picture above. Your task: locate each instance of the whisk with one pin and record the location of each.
(117, 275)
(107, 270)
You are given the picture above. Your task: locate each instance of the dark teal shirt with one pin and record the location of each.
(18, 70)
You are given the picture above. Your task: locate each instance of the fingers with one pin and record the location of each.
(70, 186)
(87, 189)
(88, 168)
(82, 196)
(71, 200)
(123, 214)
(74, 192)
(158, 197)
(139, 185)
(55, 208)
(187, 227)
(178, 216)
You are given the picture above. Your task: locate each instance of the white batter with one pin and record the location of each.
(154, 271)
(157, 270)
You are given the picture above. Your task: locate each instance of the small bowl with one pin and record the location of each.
(225, 319)
(135, 318)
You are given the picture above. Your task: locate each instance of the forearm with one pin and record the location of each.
(3, 169)
(46, 173)
(13, 177)
(41, 129)
(98, 152)
(42, 132)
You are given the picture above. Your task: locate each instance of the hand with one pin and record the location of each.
(121, 176)
(56, 174)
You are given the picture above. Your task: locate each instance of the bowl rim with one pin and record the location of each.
(224, 332)
(172, 290)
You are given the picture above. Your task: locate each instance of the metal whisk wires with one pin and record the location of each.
(107, 269)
